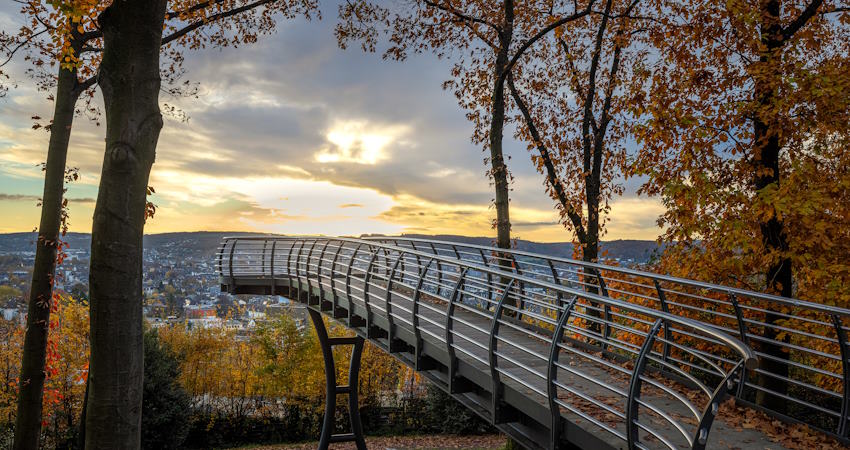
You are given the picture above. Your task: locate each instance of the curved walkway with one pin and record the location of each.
(549, 364)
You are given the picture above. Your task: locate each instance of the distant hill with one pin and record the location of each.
(623, 249)
(196, 243)
(204, 244)
(22, 242)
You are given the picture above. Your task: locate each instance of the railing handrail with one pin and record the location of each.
(805, 304)
(747, 354)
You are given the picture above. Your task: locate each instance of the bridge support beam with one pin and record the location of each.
(328, 423)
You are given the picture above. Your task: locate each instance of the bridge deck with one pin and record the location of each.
(526, 389)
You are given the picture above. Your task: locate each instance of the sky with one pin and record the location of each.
(294, 135)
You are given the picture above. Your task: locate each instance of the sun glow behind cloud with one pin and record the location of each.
(359, 142)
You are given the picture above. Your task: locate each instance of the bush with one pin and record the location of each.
(165, 405)
(293, 423)
(445, 415)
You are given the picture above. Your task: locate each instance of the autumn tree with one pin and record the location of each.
(66, 37)
(130, 81)
(745, 140)
(484, 39)
(66, 369)
(34, 37)
(573, 100)
(11, 342)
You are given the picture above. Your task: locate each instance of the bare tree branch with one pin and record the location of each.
(82, 86)
(462, 16)
(540, 34)
(197, 7)
(792, 28)
(215, 17)
(20, 45)
(551, 172)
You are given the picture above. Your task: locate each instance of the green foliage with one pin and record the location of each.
(165, 406)
(9, 293)
(445, 415)
(511, 444)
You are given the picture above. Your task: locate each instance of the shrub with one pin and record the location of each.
(165, 405)
(443, 414)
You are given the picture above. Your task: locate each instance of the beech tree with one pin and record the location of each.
(67, 36)
(130, 81)
(485, 40)
(745, 141)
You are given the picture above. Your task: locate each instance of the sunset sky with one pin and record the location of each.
(293, 135)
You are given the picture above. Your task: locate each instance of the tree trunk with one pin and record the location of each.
(130, 81)
(590, 246)
(28, 420)
(766, 173)
(497, 125)
(497, 159)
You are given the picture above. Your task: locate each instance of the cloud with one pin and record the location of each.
(87, 200)
(35, 198)
(19, 197)
(544, 223)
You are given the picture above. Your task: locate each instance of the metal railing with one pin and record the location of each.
(802, 346)
(607, 363)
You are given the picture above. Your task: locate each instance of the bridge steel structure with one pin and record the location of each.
(551, 363)
(801, 346)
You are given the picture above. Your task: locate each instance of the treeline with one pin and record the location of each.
(207, 388)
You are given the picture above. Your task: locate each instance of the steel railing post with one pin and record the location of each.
(552, 374)
(389, 305)
(842, 429)
(520, 285)
(367, 278)
(230, 261)
(496, 384)
(221, 251)
(559, 298)
(662, 298)
(606, 309)
(712, 407)
(348, 283)
(334, 295)
(289, 268)
(271, 269)
(417, 331)
(450, 308)
(263, 258)
(307, 272)
(632, 437)
(490, 305)
(439, 271)
(319, 273)
(742, 331)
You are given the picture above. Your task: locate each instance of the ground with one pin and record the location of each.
(491, 441)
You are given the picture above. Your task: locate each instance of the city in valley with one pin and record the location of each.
(180, 284)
